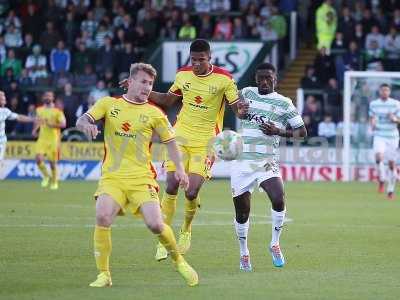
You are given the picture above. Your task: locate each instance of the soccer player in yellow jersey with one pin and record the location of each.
(51, 120)
(203, 89)
(128, 182)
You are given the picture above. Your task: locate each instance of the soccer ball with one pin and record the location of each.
(228, 145)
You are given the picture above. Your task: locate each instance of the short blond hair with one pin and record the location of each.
(136, 67)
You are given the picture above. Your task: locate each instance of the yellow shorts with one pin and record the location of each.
(129, 197)
(50, 149)
(196, 160)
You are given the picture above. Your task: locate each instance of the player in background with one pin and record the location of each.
(128, 182)
(267, 120)
(51, 121)
(6, 114)
(384, 114)
(203, 89)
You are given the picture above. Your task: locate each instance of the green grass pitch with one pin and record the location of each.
(342, 242)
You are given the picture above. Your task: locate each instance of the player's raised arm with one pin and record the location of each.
(25, 119)
(164, 99)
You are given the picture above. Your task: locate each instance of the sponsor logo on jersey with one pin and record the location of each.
(114, 112)
(260, 119)
(126, 126)
(123, 134)
(199, 101)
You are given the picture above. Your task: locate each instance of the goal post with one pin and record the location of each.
(360, 88)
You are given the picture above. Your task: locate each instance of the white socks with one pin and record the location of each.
(241, 233)
(381, 171)
(391, 176)
(277, 223)
(243, 229)
(391, 180)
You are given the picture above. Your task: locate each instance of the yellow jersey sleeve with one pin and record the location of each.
(231, 92)
(163, 128)
(176, 88)
(99, 109)
(60, 117)
(39, 113)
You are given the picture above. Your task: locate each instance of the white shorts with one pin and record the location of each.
(246, 173)
(2, 150)
(387, 146)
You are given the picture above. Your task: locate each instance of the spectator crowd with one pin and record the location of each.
(81, 48)
(350, 35)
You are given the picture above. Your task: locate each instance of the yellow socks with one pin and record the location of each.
(168, 207)
(102, 248)
(190, 211)
(167, 239)
(54, 174)
(43, 169)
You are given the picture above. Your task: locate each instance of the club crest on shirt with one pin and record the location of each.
(114, 112)
(186, 86)
(143, 118)
(212, 89)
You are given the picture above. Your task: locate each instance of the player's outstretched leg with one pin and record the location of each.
(241, 223)
(274, 188)
(166, 237)
(168, 208)
(392, 177)
(152, 217)
(106, 211)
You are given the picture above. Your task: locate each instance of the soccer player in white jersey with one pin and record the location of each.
(6, 114)
(269, 116)
(384, 114)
